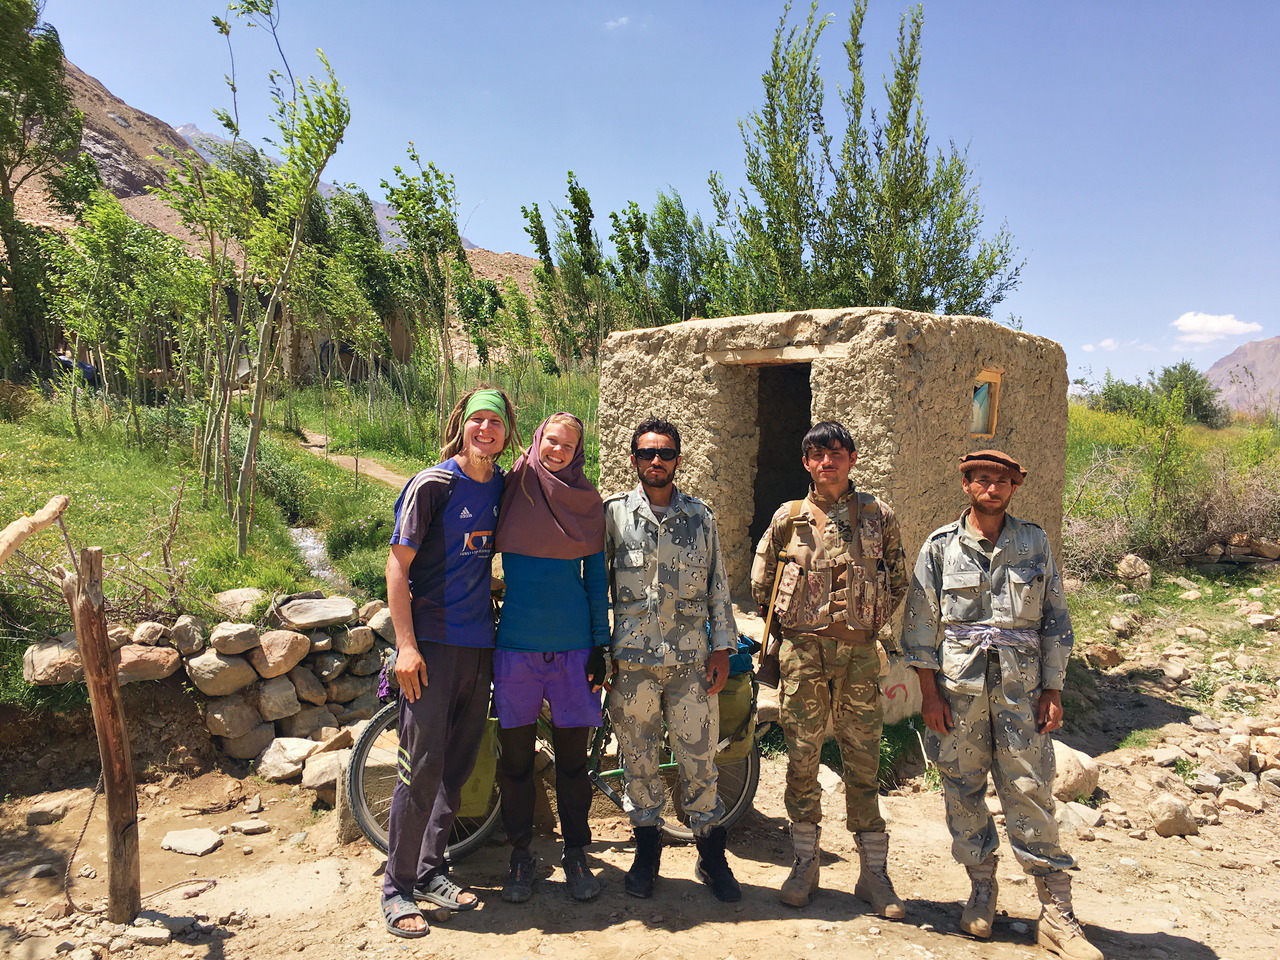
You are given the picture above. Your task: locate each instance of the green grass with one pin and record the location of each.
(121, 500)
(399, 429)
(1138, 739)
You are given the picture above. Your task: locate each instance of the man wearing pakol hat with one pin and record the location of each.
(988, 633)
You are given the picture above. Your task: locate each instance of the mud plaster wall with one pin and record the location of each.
(901, 381)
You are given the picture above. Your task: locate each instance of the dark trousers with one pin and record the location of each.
(440, 734)
(573, 786)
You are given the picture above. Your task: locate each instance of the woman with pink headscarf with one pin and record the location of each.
(550, 644)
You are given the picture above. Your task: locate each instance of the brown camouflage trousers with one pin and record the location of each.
(838, 679)
(641, 699)
(995, 731)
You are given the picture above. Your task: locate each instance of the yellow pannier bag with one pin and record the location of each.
(477, 792)
(737, 718)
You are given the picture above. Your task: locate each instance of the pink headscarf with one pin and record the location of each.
(555, 515)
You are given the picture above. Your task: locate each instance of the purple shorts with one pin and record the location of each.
(522, 679)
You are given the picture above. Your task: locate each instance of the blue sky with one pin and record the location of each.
(1132, 146)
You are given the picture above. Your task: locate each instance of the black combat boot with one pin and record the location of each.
(644, 868)
(713, 868)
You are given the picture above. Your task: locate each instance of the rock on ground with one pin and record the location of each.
(284, 758)
(238, 603)
(195, 843)
(1077, 774)
(1171, 817)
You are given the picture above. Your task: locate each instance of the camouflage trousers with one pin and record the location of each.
(995, 731)
(827, 679)
(641, 699)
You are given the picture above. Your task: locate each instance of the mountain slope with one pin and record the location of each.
(1249, 376)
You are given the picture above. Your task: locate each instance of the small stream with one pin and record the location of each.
(311, 545)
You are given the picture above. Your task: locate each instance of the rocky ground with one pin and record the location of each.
(1184, 731)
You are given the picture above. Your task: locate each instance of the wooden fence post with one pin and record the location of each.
(84, 595)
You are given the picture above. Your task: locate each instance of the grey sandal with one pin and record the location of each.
(398, 907)
(443, 892)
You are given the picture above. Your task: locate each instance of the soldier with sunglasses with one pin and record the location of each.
(673, 630)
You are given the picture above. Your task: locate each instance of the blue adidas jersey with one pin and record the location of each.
(449, 519)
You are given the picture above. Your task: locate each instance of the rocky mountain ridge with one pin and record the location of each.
(1249, 376)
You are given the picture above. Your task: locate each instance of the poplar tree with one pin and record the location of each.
(871, 214)
(40, 130)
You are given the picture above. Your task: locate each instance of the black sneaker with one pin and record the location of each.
(519, 885)
(577, 875)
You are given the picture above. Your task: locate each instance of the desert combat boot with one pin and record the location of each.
(873, 884)
(1058, 930)
(979, 914)
(801, 884)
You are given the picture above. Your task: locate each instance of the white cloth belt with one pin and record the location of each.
(985, 636)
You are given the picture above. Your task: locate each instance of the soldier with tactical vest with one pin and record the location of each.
(830, 571)
(987, 630)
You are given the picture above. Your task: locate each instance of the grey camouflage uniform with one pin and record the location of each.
(671, 609)
(841, 584)
(993, 693)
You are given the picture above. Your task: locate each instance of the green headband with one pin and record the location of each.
(488, 400)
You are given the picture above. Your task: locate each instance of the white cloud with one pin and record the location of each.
(1206, 327)
(1109, 343)
(617, 24)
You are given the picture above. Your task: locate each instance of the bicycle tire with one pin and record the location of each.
(736, 782)
(371, 778)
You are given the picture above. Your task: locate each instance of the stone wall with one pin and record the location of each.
(271, 694)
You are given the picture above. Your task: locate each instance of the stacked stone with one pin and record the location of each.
(287, 697)
(1239, 548)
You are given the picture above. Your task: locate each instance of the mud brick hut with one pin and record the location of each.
(916, 391)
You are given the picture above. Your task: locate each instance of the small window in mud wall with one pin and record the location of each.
(986, 403)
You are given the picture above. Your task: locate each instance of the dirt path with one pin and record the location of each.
(318, 444)
(1157, 898)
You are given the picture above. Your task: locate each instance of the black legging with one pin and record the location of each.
(573, 787)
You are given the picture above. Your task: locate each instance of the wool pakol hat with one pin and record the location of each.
(993, 460)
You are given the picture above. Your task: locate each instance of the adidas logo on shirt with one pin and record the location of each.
(465, 514)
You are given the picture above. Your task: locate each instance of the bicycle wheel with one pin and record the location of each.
(371, 779)
(736, 782)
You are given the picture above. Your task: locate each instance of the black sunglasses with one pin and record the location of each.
(646, 454)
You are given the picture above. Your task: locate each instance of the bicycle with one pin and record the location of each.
(372, 776)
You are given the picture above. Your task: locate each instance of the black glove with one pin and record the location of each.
(597, 669)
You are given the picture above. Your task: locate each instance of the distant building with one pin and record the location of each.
(915, 390)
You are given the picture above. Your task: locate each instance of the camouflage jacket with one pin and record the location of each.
(831, 576)
(1018, 587)
(670, 595)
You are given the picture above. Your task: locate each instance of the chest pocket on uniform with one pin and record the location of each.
(1026, 592)
(693, 573)
(962, 597)
(629, 576)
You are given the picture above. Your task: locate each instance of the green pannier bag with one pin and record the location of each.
(737, 718)
(477, 792)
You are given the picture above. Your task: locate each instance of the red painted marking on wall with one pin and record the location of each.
(891, 693)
